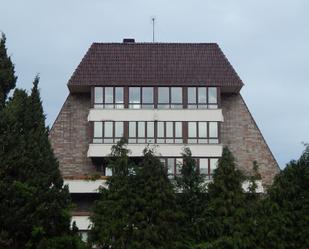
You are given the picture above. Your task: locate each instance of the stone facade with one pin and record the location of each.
(241, 134)
(70, 136)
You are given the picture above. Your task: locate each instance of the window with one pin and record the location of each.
(203, 132)
(212, 97)
(163, 97)
(178, 132)
(118, 131)
(135, 97)
(202, 97)
(160, 132)
(98, 132)
(192, 132)
(141, 132)
(176, 97)
(107, 132)
(169, 97)
(213, 133)
(169, 132)
(204, 166)
(192, 104)
(109, 97)
(213, 165)
(147, 98)
(132, 132)
(179, 163)
(119, 100)
(98, 97)
(171, 167)
(150, 132)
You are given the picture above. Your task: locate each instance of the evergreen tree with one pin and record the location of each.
(224, 224)
(285, 210)
(192, 198)
(112, 214)
(156, 215)
(35, 207)
(7, 72)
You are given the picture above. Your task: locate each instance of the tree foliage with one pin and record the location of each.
(191, 198)
(284, 213)
(35, 207)
(7, 72)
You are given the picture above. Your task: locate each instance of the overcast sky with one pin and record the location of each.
(266, 42)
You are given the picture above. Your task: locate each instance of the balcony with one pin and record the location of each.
(156, 115)
(163, 150)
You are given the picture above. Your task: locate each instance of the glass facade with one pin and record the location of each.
(156, 97)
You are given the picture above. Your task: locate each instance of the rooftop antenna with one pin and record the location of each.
(153, 28)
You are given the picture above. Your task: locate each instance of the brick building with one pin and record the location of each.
(166, 94)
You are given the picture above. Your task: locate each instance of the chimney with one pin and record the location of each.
(128, 40)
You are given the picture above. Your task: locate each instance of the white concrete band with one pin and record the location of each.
(155, 115)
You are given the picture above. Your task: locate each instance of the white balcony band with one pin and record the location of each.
(155, 115)
(84, 186)
(164, 150)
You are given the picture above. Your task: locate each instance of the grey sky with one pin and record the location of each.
(266, 42)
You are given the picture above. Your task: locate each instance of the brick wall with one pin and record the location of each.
(70, 136)
(241, 134)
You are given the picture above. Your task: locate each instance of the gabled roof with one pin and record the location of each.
(154, 64)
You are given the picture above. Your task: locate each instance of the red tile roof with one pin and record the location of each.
(155, 64)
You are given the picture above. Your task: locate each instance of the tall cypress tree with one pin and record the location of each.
(191, 198)
(33, 202)
(7, 72)
(225, 216)
(284, 213)
(156, 215)
(112, 214)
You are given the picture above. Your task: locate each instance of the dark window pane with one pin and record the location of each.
(163, 95)
(213, 164)
(202, 98)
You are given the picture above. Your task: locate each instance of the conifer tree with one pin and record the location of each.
(191, 198)
(7, 72)
(285, 210)
(225, 216)
(35, 207)
(112, 214)
(156, 215)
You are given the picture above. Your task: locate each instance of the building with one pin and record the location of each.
(168, 94)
